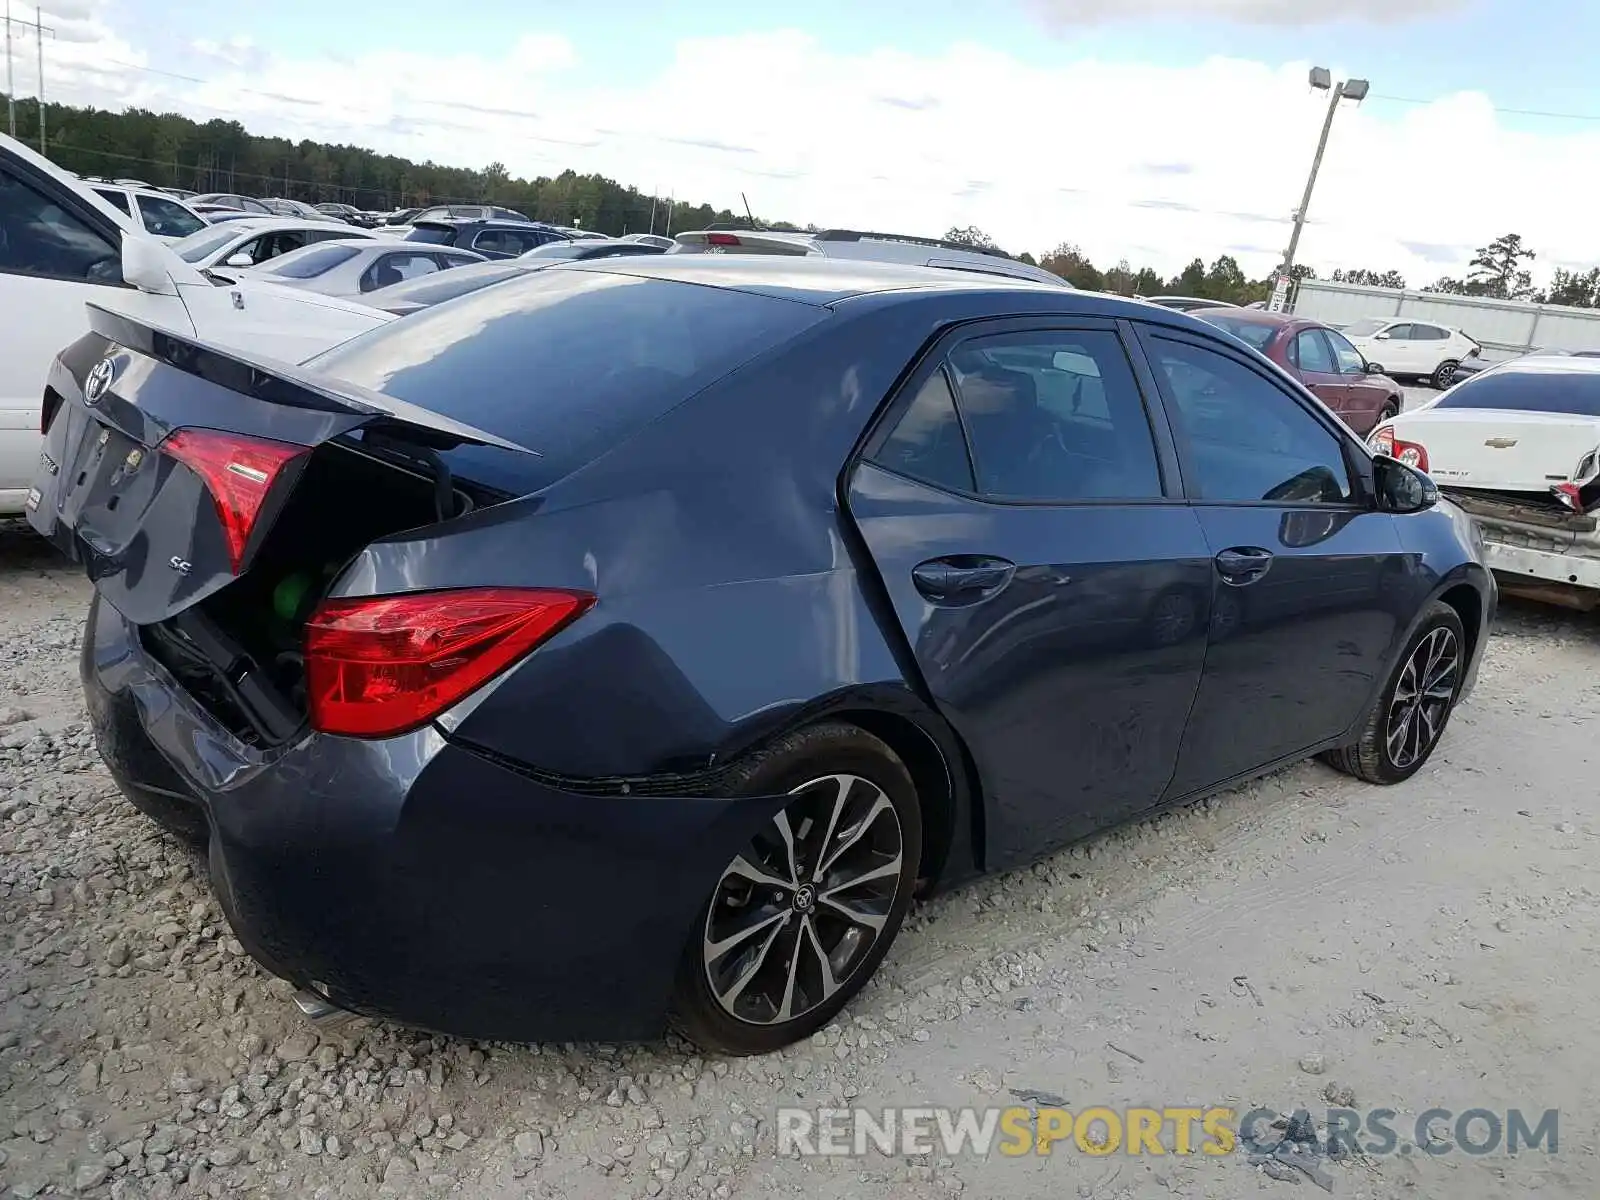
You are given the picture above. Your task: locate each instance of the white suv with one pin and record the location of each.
(1404, 349)
(876, 247)
(63, 246)
(159, 215)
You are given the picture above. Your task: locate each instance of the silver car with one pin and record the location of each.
(351, 267)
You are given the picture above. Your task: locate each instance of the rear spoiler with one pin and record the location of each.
(282, 383)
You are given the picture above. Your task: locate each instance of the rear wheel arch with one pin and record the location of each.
(942, 776)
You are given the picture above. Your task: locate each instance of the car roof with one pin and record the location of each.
(264, 224)
(1254, 316)
(817, 280)
(1546, 364)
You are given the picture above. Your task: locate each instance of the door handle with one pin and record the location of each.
(966, 577)
(1243, 564)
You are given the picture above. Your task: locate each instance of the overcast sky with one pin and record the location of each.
(1153, 130)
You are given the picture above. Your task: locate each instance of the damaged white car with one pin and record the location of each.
(1518, 447)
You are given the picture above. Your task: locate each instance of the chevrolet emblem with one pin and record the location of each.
(1501, 443)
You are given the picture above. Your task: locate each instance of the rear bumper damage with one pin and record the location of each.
(1538, 550)
(417, 880)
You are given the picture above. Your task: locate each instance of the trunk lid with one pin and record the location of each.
(1502, 449)
(155, 532)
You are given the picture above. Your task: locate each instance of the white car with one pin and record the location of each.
(249, 242)
(1404, 349)
(62, 246)
(1518, 447)
(354, 266)
(159, 215)
(873, 247)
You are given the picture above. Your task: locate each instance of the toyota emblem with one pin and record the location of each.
(99, 380)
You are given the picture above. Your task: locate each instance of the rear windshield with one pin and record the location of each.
(1364, 328)
(1575, 392)
(204, 241)
(565, 362)
(445, 285)
(310, 262)
(434, 235)
(1251, 333)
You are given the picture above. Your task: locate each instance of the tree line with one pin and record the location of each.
(170, 150)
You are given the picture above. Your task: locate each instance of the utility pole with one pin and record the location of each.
(1350, 89)
(38, 29)
(11, 78)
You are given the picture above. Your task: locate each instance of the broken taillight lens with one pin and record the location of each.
(238, 472)
(381, 665)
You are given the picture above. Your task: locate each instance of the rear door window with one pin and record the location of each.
(566, 363)
(927, 442)
(1313, 353)
(1055, 415)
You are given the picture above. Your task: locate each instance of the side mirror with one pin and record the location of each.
(145, 265)
(241, 260)
(1401, 489)
(1381, 337)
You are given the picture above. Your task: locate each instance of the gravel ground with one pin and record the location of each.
(1431, 944)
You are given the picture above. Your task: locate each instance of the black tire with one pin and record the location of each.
(1389, 412)
(183, 819)
(1373, 758)
(1446, 374)
(788, 765)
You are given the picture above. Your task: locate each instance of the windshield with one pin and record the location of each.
(1364, 328)
(204, 242)
(565, 362)
(310, 262)
(1540, 391)
(1252, 333)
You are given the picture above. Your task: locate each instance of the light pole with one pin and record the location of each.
(1350, 89)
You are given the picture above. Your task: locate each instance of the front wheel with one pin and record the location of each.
(1404, 726)
(1446, 374)
(801, 917)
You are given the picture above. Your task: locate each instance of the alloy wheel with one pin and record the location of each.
(798, 911)
(1422, 698)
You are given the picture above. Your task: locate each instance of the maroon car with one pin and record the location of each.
(1321, 358)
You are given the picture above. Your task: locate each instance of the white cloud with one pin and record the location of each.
(1153, 163)
(1247, 12)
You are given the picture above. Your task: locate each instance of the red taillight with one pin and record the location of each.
(722, 239)
(237, 471)
(1413, 454)
(381, 665)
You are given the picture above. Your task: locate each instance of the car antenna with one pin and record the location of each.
(747, 212)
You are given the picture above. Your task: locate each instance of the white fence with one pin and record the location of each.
(1504, 328)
